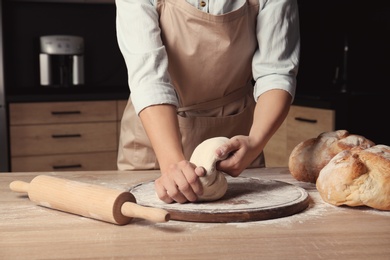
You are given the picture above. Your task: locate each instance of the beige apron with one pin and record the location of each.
(210, 60)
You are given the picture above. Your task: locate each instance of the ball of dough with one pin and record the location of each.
(357, 177)
(214, 182)
(309, 157)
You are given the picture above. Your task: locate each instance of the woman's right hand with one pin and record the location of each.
(180, 183)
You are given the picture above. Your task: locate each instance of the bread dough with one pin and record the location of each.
(357, 177)
(214, 182)
(309, 157)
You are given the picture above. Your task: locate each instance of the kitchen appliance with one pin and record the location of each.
(61, 60)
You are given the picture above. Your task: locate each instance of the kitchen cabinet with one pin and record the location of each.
(78, 135)
(301, 124)
(84, 135)
(121, 105)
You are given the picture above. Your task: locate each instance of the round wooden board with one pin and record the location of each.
(247, 199)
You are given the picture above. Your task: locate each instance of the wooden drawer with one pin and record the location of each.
(301, 124)
(62, 112)
(275, 150)
(63, 138)
(305, 122)
(74, 162)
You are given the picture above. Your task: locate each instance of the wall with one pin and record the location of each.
(325, 27)
(25, 22)
(362, 69)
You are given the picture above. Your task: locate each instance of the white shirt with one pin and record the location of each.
(274, 64)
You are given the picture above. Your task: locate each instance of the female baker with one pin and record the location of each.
(199, 69)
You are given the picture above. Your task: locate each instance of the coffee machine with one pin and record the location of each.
(61, 60)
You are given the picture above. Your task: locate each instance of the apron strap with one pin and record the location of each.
(229, 98)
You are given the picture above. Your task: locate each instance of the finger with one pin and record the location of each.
(196, 185)
(226, 149)
(177, 195)
(222, 151)
(174, 189)
(168, 191)
(177, 186)
(230, 165)
(162, 192)
(200, 171)
(191, 187)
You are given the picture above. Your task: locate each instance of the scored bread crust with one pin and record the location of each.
(309, 157)
(357, 177)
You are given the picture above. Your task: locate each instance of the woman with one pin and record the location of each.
(191, 67)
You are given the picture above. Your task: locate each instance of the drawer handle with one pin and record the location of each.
(306, 120)
(56, 167)
(65, 112)
(66, 136)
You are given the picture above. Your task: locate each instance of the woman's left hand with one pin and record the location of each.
(242, 150)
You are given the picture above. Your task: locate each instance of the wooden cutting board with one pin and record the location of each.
(247, 199)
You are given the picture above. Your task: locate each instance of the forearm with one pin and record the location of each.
(161, 125)
(271, 110)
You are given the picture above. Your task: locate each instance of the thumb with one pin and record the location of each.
(200, 171)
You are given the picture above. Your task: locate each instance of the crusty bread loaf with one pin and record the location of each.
(310, 156)
(357, 177)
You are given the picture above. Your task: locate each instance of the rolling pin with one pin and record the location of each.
(88, 200)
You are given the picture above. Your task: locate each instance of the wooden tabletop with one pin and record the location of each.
(322, 231)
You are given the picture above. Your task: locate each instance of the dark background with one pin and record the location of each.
(25, 22)
(325, 28)
(354, 84)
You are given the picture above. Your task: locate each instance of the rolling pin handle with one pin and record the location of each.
(19, 186)
(133, 210)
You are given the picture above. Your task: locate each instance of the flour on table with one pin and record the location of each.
(246, 199)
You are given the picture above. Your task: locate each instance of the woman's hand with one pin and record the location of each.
(179, 179)
(180, 183)
(242, 150)
(271, 110)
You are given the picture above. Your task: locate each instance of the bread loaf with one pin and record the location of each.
(357, 177)
(309, 157)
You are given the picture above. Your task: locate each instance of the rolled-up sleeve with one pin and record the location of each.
(139, 40)
(275, 63)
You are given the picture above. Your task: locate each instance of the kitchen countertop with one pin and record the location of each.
(322, 231)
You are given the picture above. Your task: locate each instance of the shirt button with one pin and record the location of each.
(202, 3)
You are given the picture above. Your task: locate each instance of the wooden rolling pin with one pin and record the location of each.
(87, 200)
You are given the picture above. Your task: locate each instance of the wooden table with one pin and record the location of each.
(322, 231)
